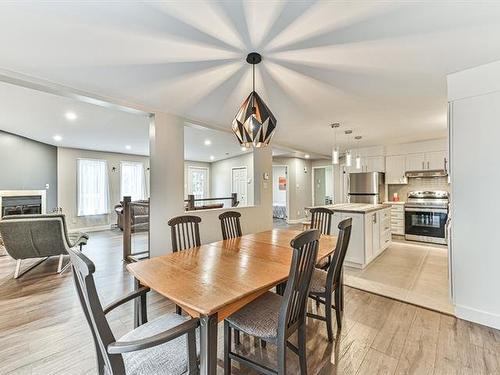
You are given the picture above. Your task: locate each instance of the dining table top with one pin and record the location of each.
(223, 276)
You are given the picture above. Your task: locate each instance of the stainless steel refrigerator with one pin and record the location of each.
(366, 187)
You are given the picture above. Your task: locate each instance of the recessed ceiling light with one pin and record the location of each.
(128, 147)
(208, 142)
(71, 116)
(307, 156)
(212, 157)
(243, 149)
(57, 138)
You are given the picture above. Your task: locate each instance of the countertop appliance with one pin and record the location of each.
(426, 214)
(367, 187)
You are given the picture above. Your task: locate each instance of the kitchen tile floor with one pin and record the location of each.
(410, 272)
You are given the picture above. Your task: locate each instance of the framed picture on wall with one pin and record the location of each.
(282, 183)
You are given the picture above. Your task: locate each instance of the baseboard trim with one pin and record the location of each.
(477, 316)
(97, 228)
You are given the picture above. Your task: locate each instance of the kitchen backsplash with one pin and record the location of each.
(430, 183)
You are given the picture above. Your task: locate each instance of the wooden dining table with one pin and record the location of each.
(214, 280)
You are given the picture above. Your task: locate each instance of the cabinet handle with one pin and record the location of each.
(427, 165)
(423, 165)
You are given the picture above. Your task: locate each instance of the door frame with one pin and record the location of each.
(246, 183)
(286, 191)
(312, 180)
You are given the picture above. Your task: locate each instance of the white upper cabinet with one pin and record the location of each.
(435, 160)
(375, 164)
(395, 169)
(415, 162)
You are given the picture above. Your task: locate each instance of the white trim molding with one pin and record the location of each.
(21, 193)
(477, 316)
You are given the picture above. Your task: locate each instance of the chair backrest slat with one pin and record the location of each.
(185, 232)
(293, 306)
(335, 268)
(321, 219)
(83, 270)
(230, 224)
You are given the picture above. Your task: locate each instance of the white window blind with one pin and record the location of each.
(132, 180)
(198, 182)
(93, 187)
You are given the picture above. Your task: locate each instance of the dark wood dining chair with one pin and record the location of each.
(185, 234)
(230, 224)
(170, 340)
(325, 283)
(321, 219)
(274, 318)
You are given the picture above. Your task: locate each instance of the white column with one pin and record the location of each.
(166, 178)
(263, 194)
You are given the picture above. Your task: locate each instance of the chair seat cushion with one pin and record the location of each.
(323, 263)
(78, 238)
(260, 317)
(169, 358)
(318, 281)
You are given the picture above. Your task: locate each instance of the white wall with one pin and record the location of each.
(279, 196)
(167, 190)
(475, 203)
(221, 177)
(67, 185)
(299, 186)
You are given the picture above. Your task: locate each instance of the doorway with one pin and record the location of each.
(280, 194)
(322, 189)
(240, 184)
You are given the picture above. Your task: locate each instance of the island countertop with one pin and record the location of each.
(359, 208)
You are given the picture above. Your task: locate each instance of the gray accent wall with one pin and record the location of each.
(28, 165)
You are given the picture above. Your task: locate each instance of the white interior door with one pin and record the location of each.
(240, 184)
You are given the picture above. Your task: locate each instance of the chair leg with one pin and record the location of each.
(59, 265)
(18, 269)
(281, 356)
(302, 349)
(237, 337)
(178, 310)
(338, 308)
(328, 316)
(227, 348)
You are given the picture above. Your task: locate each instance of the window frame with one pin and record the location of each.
(106, 210)
(143, 178)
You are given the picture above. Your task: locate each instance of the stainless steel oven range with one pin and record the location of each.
(426, 213)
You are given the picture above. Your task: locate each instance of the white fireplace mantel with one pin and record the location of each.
(20, 193)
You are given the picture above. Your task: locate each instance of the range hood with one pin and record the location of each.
(427, 173)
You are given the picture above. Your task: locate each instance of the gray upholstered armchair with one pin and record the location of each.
(38, 236)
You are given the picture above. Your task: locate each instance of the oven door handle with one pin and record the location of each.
(424, 210)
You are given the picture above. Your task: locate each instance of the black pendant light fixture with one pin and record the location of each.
(254, 124)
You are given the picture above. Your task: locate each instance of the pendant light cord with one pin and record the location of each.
(253, 77)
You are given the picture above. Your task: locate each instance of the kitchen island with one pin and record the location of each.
(371, 230)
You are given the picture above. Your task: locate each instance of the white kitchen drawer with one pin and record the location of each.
(385, 239)
(397, 215)
(397, 208)
(385, 214)
(398, 230)
(397, 223)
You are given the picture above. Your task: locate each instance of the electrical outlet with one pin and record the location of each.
(47, 186)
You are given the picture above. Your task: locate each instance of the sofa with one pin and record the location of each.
(139, 219)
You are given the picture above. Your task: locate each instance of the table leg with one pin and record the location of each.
(140, 312)
(208, 344)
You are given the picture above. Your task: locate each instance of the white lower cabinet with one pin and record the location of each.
(370, 235)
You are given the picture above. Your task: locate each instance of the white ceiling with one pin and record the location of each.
(41, 116)
(376, 67)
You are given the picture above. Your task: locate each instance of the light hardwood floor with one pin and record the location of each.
(410, 272)
(43, 330)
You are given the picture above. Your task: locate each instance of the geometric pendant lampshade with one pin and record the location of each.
(254, 124)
